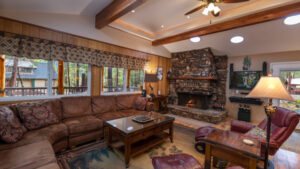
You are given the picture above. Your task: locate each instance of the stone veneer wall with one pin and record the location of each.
(197, 63)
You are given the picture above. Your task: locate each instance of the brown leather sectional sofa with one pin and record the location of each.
(80, 121)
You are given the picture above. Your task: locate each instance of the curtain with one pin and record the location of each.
(36, 48)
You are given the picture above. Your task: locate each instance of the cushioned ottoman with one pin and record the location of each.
(201, 134)
(178, 161)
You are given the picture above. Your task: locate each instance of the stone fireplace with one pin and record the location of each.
(197, 85)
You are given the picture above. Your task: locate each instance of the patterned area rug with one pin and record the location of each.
(98, 156)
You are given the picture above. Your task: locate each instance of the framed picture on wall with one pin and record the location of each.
(159, 73)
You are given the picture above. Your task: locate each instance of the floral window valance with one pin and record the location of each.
(36, 48)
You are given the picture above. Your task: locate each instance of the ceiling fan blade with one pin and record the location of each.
(234, 1)
(194, 10)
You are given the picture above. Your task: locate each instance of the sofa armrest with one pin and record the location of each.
(240, 126)
(150, 106)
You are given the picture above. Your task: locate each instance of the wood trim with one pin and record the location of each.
(102, 75)
(151, 35)
(251, 19)
(60, 78)
(115, 10)
(2, 75)
(96, 81)
(128, 78)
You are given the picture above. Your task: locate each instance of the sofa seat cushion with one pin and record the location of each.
(131, 112)
(53, 165)
(52, 133)
(84, 124)
(76, 106)
(109, 116)
(125, 101)
(37, 114)
(103, 104)
(29, 156)
(11, 130)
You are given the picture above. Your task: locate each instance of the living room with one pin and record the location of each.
(143, 84)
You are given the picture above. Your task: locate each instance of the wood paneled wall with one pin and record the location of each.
(18, 27)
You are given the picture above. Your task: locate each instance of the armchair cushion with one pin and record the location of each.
(240, 126)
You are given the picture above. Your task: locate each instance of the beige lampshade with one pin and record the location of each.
(270, 87)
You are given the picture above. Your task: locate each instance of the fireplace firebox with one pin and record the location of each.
(194, 100)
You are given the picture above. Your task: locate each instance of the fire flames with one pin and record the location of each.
(190, 103)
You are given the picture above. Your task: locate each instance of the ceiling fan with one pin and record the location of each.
(210, 6)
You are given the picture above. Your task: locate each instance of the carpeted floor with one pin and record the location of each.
(98, 156)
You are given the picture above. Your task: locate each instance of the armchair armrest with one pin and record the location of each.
(240, 126)
(149, 106)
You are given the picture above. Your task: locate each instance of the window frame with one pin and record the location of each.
(49, 87)
(125, 82)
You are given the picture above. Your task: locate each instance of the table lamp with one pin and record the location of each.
(269, 87)
(150, 78)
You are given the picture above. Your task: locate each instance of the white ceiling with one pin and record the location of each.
(268, 37)
(72, 7)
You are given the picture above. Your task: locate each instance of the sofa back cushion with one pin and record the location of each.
(36, 115)
(103, 104)
(11, 130)
(125, 102)
(57, 108)
(76, 106)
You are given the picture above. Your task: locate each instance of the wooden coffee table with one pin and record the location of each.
(134, 138)
(229, 146)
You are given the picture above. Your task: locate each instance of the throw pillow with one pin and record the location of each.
(140, 103)
(256, 131)
(37, 115)
(11, 130)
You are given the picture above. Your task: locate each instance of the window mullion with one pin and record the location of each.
(50, 77)
(125, 80)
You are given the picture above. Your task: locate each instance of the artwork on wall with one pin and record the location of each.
(159, 73)
(246, 63)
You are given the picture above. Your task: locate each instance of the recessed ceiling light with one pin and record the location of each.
(292, 20)
(195, 39)
(133, 11)
(237, 39)
(162, 26)
(188, 16)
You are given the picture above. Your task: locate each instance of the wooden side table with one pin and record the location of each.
(161, 103)
(229, 146)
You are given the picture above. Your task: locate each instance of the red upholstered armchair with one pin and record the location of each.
(283, 124)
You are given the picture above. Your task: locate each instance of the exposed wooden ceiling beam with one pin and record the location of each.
(115, 10)
(251, 19)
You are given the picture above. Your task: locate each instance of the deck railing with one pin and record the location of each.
(41, 91)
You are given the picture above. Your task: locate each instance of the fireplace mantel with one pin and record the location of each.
(192, 78)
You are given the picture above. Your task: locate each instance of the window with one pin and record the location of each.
(291, 80)
(113, 79)
(121, 80)
(38, 77)
(26, 77)
(75, 78)
(136, 80)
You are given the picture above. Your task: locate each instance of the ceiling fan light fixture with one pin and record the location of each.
(210, 7)
(216, 10)
(292, 20)
(205, 11)
(195, 39)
